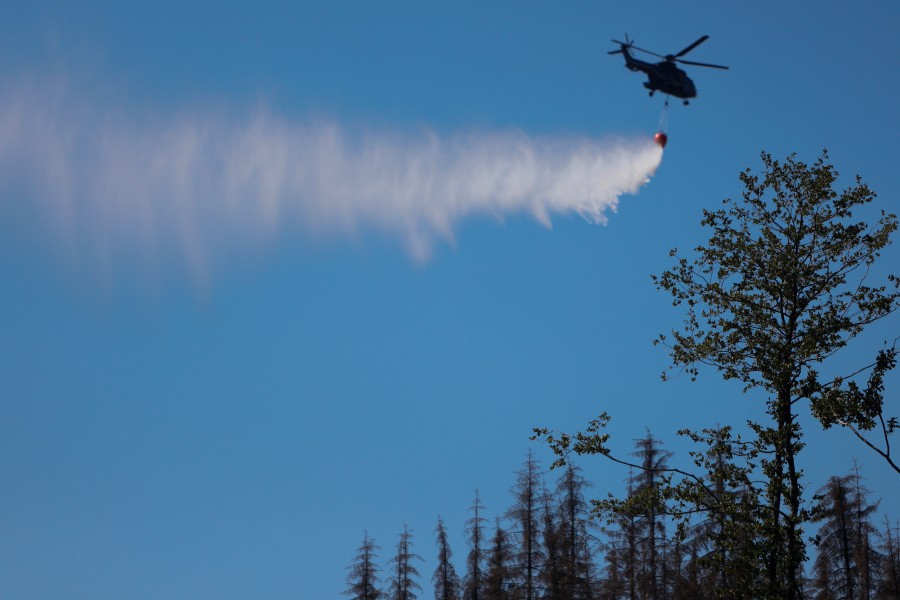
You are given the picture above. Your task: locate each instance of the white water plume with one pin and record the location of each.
(196, 183)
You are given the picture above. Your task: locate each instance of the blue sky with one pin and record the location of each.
(218, 405)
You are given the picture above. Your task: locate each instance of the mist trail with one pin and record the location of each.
(195, 183)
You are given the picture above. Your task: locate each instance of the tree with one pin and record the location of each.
(474, 579)
(867, 558)
(498, 577)
(847, 560)
(576, 542)
(650, 526)
(623, 554)
(551, 575)
(402, 583)
(446, 582)
(889, 587)
(640, 547)
(723, 544)
(362, 581)
(614, 586)
(726, 541)
(779, 289)
(688, 584)
(528, 557)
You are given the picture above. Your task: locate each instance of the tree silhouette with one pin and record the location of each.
(641, 541)
(552, 575)
(362, 581)
(575, 532)
(498, 577)
(403, 584)
(474, 579)
(717, 558)
(650, 524)
(623, 554)
(528, 557)
(889, 586)
(445, 579)
(847, 560)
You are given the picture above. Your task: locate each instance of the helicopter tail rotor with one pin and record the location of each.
(623, 46)
(628, 44)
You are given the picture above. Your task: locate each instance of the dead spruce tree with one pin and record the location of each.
(362, 581)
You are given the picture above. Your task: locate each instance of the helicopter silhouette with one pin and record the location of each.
(664, 76)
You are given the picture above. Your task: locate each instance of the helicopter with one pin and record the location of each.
(664, 76)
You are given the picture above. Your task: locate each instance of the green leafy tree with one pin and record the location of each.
(779, 289)
(726, 501)
(723, 544)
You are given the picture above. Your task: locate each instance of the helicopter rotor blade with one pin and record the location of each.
(633, 47)
(630, 44)
(700, 64)
(692, 46)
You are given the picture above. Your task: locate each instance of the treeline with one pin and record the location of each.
(784, 283)
(553, 544)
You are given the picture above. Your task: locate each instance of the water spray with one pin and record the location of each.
(201, 185)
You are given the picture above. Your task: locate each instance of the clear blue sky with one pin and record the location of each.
(226, 423)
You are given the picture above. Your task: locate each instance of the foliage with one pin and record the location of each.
(689, 539)
(780, 287)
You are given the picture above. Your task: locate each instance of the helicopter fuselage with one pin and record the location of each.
(662, 77)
